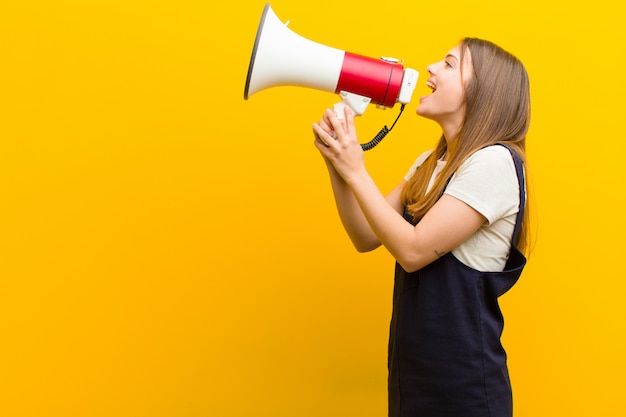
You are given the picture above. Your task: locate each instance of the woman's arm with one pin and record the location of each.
(354, 222)
(449, 223)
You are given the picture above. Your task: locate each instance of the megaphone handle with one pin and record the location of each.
(356, 102)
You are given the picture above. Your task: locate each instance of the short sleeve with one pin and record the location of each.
(487, 182)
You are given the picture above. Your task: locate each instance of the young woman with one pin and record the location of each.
(455, 226)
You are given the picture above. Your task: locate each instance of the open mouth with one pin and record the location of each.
(432, 86)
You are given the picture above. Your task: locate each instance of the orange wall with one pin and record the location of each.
(170, 249)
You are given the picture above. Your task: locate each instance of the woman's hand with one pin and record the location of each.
(337, 141)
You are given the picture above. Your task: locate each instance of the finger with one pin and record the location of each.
(341, 119)
(321, 147)
(327, 114)
(337, 125)
(321, 135)
(326, 125)
(349, 120)
(330, 115)
(327, 128)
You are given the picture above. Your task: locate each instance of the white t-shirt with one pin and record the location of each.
(487, 182)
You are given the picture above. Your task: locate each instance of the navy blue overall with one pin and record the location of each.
(445, 354)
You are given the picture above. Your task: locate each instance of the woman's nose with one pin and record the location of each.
(431, 69)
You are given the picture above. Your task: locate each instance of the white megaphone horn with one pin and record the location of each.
(281, 57)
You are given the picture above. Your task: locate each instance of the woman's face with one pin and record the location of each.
(446, 104)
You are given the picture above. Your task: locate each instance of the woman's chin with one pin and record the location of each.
(422, 110)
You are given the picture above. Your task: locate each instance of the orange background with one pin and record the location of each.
(170, 249)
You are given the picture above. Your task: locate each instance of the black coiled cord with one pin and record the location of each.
(381, 135)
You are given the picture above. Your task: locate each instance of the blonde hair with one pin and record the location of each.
(497, 110)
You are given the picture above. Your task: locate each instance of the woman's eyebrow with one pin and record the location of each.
(452, 56)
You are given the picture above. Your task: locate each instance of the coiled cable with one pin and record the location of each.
(381, 135)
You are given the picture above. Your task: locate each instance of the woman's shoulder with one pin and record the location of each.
(489, 161)
(491, 154)
(422, 157)
(487, 181)
(417, 163)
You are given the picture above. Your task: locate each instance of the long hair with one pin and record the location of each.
(497, 109)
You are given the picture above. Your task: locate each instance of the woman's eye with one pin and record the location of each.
(448, 64)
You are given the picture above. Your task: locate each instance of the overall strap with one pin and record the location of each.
(519, 169)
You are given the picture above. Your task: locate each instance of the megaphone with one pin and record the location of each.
(281, 57)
